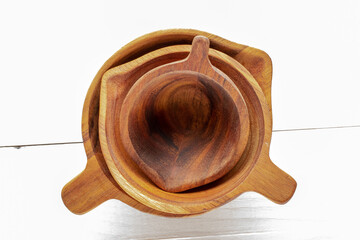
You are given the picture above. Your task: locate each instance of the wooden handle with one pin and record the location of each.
(271, 182)
(198, 59)
(94, 186)
(89, 189)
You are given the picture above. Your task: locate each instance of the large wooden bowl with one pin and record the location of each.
(253, 172)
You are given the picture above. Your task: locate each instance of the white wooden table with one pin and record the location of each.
(49, 53)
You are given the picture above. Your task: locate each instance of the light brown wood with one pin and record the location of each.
(256, 61)
(83, 193)
(94, 186)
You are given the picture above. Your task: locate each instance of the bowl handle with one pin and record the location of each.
(90, 188)
(94, 186)
(270, 181)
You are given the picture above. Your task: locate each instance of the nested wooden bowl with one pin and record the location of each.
(250, 169)
(185, 124)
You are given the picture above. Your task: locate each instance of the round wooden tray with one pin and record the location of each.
(85, 192)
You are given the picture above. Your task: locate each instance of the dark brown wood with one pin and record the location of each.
(187, 122)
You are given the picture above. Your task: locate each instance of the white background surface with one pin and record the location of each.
(50, 51)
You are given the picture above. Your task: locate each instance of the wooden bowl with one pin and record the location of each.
(185, 124)
(264, 178)
(117, 86)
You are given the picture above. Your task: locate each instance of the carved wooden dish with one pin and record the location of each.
(185, 124)
(133, 164)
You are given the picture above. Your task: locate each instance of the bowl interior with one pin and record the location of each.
(185, 129)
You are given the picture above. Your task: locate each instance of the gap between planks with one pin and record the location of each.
(219, 236)
(279, 130)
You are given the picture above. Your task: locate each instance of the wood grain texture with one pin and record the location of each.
(150, 42)
(136, 184)
(185, 124)
(94, 186)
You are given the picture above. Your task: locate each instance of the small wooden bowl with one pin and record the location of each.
(254, 171)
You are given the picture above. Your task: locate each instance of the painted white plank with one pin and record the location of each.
(51, 51)
(325, 164)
